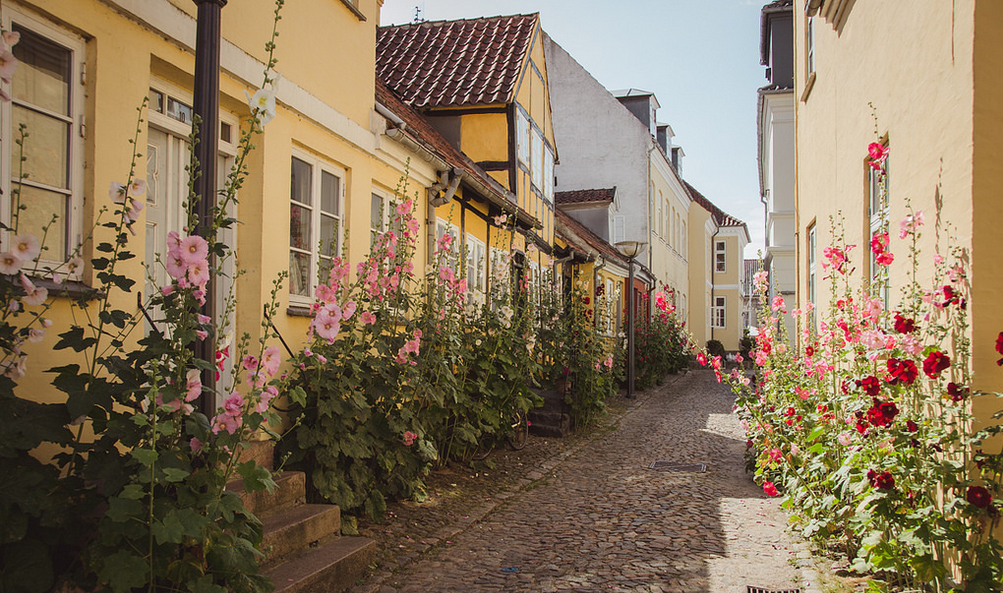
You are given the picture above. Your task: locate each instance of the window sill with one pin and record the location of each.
(808, 85)
(355, 10)
(296, 310)
(72, 289)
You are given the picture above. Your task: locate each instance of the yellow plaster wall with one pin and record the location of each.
(486, 138)
(698, 318)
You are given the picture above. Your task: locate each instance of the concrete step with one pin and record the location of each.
(290, 490)
(298, 528)
(329, 568)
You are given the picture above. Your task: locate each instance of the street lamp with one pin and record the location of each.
(630, 250)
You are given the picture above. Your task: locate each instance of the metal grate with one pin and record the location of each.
(672, 466)
(751, 589)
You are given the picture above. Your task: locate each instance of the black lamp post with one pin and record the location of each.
(630, 249)
(206, 107)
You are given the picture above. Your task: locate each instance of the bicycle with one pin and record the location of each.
(516, 436)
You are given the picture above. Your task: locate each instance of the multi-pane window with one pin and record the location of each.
(476, 273)
(47, 99)
(500, 274)
(682, 237)
(522, 137)
(548, 176)
(718, 313)
(537, 160)
(720, 256)
(619, 229)
(314, 222)
(877, 212)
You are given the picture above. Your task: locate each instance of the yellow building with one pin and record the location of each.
(482, 84)
(716, 273)
(924, 83)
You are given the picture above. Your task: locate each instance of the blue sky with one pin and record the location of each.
(699, 57)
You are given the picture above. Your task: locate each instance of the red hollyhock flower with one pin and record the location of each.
(979, 496)
(882, 413)
(902, 370)
(999, 348)
(911, 426)
(956, 392)
(871, 385)
(882, 481)
(904, 325)
(935, 363)
(770, 489)
(810, 350)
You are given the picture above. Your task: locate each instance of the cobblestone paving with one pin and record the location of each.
(590, 515)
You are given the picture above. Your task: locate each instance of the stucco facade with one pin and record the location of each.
(924, 82)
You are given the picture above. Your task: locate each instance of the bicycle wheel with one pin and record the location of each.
(520, 431)
(482, 450)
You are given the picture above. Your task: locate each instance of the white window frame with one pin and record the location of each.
(720, 249)
(522, 136)
(536, 158)
(877, 213)
(385, 205)
(498, 256)
(476, 268)
(73, 233)
(619, 228)
(548, 174)
(317, 168)
(810, 45)
(719, 315)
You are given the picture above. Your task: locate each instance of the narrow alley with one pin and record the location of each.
(595, 516)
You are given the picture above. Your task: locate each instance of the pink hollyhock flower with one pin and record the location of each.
(173, 242)
(778, 303)
(201, 334)
(879, 243)
(36, 296)
(367, 318)
(348, 310)
(193, 249)
(195, 444)
(36, 335)
(844, 439)
(193, 385)
(877, 151)
(885, 259)
(26, 247)
(198, 272)
(233, 406)
(117, 192)
(135, 207)
(9, 263)
(137, 188)
(175, 266)
(10, 38)
(270, 360)
(226, 423)
(404, 208)
(326, 326)
(501, 219)
(409, 438)
(770, 489)
(250, 362)
(910, 224)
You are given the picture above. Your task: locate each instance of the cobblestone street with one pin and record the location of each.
(592, 516)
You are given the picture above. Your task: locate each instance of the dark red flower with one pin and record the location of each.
(957, 392)
(790, 411)
(871, 385)
(904, 325)
(882, 413)
(902, 370)
(979, 496)
(935, 363)
(911, 426)
(810, 350)
(882, 481)
(999, 347)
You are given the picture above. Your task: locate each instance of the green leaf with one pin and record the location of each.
(174, 474)
(121, 509)
(26, 568)
(124, 571)
(256, 477)
(145, 456)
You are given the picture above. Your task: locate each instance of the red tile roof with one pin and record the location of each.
(591, 239)
(720, 217)
(453, 63)
(585, 196)
(422, 131)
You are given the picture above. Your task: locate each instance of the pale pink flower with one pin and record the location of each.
(9, 263)
(137, 188)
(175, 266)
(844, 438)
(198, 272)
(203, 318)
(117, 192)
(226, 422)
(193, 385)
(195, 444)
(10, 38)
(234, 405)
(270, 360)
(36, 335)
(36, 296)
(46, 323)
(348, 310)
(250, 362)
(26, 247)
(167, 290)
(201, 334)
(404, 208)
(501, 219)
(8, 64)
(367, 318)
(135, 207)
(193, 249)
(938, 258)
(173, 242)
(326, 326)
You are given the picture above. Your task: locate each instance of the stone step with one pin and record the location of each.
(549, 424)
(329, 568)
(298, 528)
(552, 402)
(290, 490)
